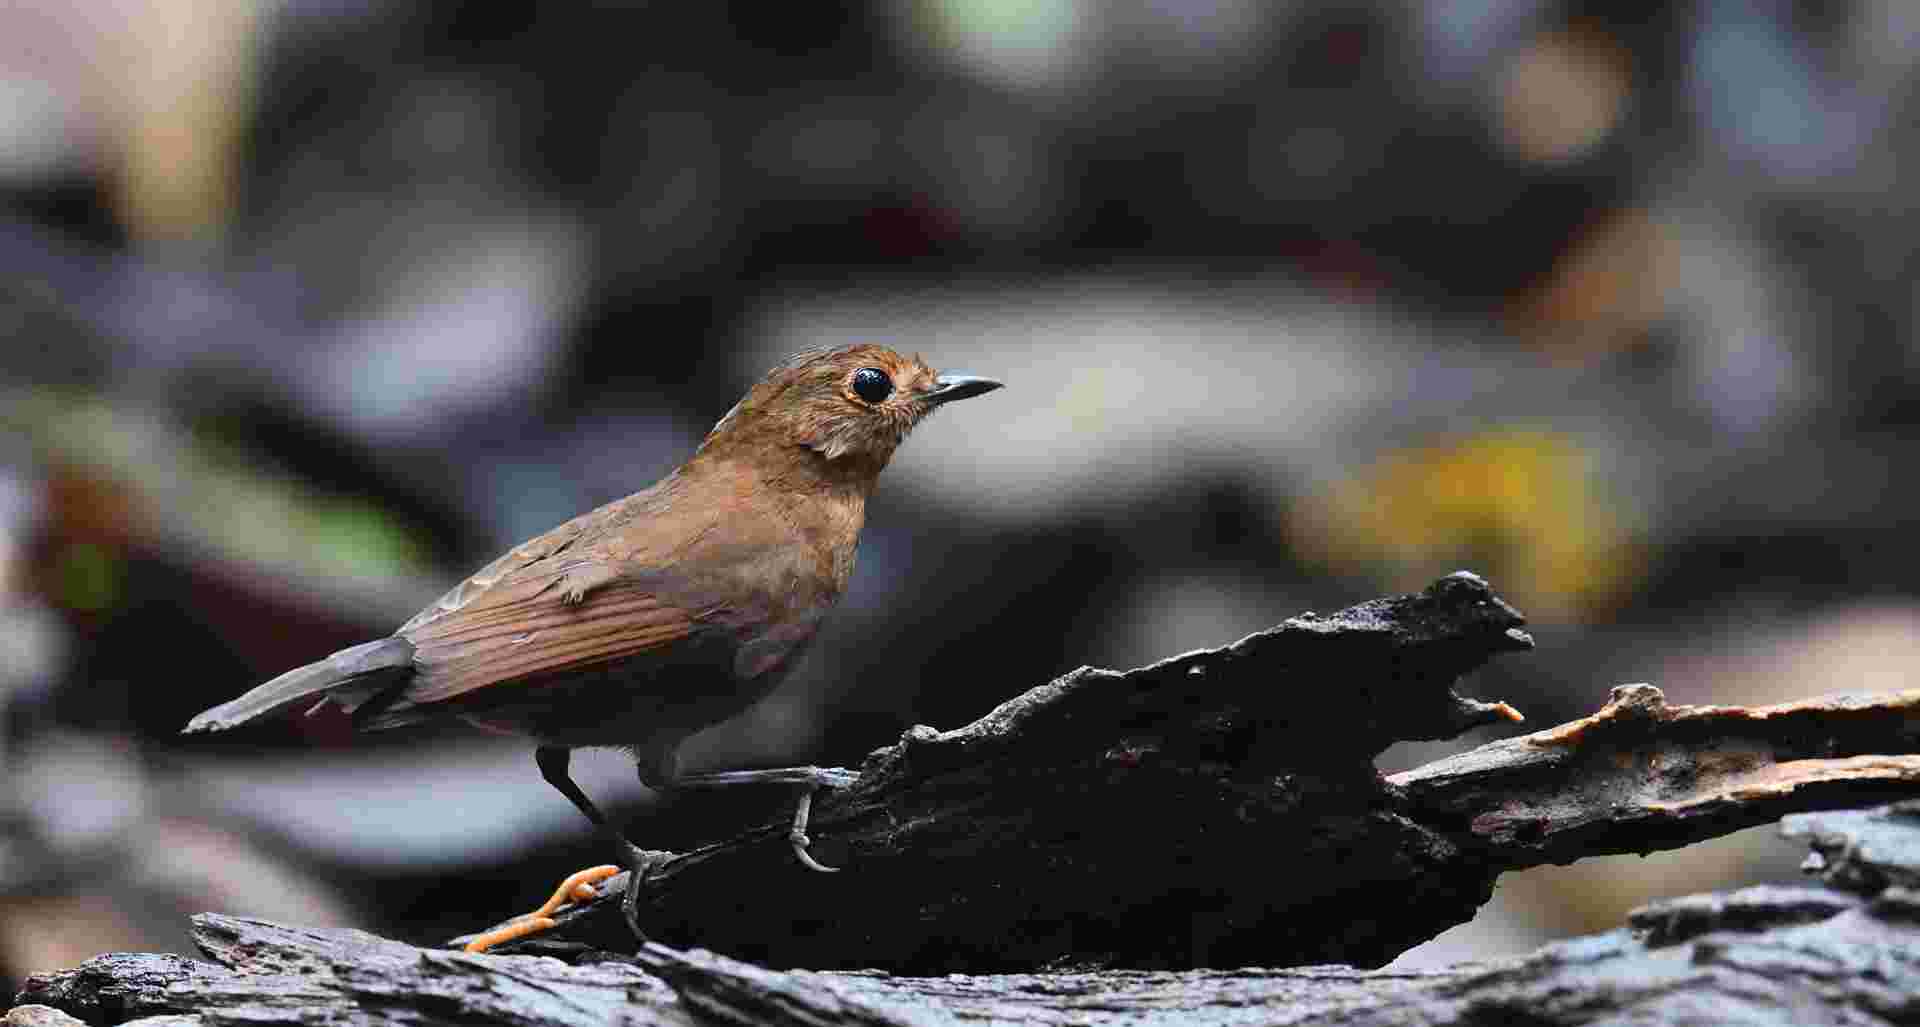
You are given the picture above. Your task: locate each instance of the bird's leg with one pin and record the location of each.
(578, 887)
(638, 861)
(810, 780)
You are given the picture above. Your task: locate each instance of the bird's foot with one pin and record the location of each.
(818, 778)
(640, 863)
(810, 780)
(797, 835)
(578, 887)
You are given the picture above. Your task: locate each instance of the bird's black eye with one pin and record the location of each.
(872, 384)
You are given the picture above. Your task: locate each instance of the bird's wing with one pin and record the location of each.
(553, 545)
(520, 627)
(600, 588)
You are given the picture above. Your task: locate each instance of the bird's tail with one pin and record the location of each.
(351, 677)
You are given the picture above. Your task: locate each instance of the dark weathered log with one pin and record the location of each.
(1847, 952)
(1217, 808)
(1221, 808)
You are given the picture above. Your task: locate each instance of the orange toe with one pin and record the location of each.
(576, 888)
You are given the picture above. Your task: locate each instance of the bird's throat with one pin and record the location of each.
(794, 495)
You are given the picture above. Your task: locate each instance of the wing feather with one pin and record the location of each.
(503, 568)
(520, 630)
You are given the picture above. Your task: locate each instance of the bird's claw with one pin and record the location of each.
(800, 842)
(639, 863)
(797, 836)
(630, 909)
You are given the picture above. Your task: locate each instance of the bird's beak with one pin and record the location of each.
(949, 387)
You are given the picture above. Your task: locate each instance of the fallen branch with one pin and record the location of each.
(1221, 808)
(1216, 808)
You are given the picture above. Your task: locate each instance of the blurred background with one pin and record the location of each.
(311, 307)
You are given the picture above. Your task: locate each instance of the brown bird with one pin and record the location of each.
(657, 615)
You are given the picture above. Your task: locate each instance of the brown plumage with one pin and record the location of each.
(660, 614)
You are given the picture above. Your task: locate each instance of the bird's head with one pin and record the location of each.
(850, 406)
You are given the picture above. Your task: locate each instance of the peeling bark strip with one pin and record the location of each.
(1641, 775)
(1845, 953)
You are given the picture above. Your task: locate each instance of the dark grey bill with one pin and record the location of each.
(949, 387)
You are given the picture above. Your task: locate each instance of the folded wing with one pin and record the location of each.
(521, 629)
